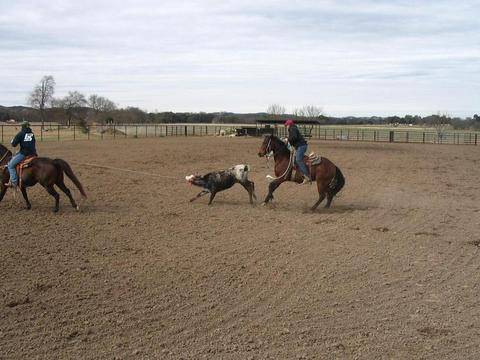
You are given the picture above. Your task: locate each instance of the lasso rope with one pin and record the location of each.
(127, 170)
(290, 163)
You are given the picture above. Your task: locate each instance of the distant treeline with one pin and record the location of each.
(86, 115)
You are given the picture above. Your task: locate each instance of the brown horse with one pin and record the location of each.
(328, 177)
(47, 172)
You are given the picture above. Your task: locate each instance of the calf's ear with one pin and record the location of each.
(246, 168)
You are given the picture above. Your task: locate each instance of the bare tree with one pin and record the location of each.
(276, 111)
(101, 104)
(71, 104)
(440, 122)
(311, 112)
(42, 95)
(298, 112)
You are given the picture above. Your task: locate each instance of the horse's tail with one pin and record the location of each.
(63, 165)
(339, 181)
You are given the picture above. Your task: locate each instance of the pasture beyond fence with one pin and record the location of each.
(56, 132)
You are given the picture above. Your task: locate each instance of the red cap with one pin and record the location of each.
(289, 122)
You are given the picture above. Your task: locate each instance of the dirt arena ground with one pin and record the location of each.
(390, 271)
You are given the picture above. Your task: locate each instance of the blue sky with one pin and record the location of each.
(349, 57)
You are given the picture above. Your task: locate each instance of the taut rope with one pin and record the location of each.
(128, 170)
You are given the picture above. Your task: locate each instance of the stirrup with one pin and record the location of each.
(306, 181)
(11, 185)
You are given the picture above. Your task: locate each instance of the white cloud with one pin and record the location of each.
(351, 57)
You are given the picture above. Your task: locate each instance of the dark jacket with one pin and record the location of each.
(26, 139)
(295, 138)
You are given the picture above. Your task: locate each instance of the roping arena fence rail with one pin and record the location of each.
(54, 132)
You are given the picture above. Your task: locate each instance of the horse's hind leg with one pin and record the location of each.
(329, 200)
(322, 192)
(67, 192)
(23, 189)
(321, 197)
(52, 192)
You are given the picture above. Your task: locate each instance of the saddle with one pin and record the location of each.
(312, 160)
(25, 163)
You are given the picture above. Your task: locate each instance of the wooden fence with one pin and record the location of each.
(100, 132)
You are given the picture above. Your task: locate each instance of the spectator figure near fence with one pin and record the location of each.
(296, 139)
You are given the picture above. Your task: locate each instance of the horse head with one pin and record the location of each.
(266, 146)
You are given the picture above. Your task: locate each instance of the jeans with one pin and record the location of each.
(11, 167)
(299, 160)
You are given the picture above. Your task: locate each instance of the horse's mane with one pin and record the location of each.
(281, 147)
(3, 150)
(5, 154)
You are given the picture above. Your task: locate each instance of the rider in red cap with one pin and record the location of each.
(296, 139)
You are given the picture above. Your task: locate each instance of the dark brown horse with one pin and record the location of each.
(328, 177)
(47, 172)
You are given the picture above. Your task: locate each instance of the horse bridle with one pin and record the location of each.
(267, 149)
(290, 161)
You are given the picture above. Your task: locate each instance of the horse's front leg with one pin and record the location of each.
(271, 188)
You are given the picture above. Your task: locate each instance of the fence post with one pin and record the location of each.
(73, 132)
(101, 131)
(114, 132)
(58, 132)
(424, 137)
(475, 139)
(155, 130)
(136, 131)
(392, 136)
(186, 130)
(88, 132)
(374, 135)
(2, 133)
